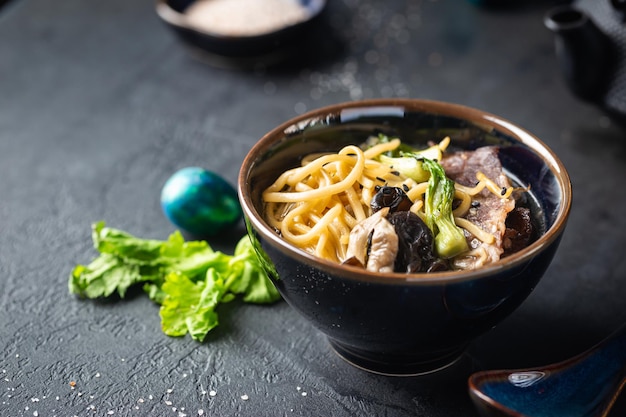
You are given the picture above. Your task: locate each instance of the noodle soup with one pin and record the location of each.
(389, 207)
(362, 311)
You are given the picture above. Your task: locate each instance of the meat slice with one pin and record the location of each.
(489, 212)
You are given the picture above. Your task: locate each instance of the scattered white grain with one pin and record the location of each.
(245, 397)
(304, 394)
(168, 402)
(372, 56)
(316, 93)
(300, 107)
(140, 400)
(269, 88)
(169, 390)
(212, 393)
(201, 412)
(98, 375)
(35, 413)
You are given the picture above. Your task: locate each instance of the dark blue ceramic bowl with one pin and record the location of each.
(394, 323)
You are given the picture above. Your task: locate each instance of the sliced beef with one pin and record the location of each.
(490, 211)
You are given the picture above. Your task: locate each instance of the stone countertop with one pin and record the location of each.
(100, 103)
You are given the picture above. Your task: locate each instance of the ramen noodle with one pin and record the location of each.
(316, 205)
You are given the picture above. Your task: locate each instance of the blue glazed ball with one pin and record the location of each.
(200, 202)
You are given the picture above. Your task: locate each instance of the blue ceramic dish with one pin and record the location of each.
(586, 385)
(265, 49)
(394, 323)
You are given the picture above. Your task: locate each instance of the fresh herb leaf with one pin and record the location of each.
(122, 244)
(104, 276)
(254, 283)
(188, 279)
(189, 307)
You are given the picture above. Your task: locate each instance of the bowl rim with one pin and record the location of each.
(178, 20)
(475, 116)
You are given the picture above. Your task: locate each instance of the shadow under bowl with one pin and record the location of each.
(398, 324)
(267, 48)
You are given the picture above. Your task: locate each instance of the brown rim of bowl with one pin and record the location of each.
(179, 20)
(479, 118)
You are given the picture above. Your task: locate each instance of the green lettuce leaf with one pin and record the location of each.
(254, 283)
(187, 279)
(104, 276)
(124, 245)
(189, 307)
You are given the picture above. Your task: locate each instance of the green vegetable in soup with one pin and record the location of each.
(422, 165)
(408, 166)
(408, 161)
(449, 238)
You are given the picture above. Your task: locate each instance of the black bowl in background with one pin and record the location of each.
(400, 324)
(265, 49)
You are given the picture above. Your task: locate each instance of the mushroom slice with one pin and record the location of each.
(393, 197)
(374, 243)
(416, 251)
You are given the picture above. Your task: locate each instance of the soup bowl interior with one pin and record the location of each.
(400, 324)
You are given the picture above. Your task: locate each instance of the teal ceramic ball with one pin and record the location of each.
(200, 202)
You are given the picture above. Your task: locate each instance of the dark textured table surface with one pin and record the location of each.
(100, 104)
